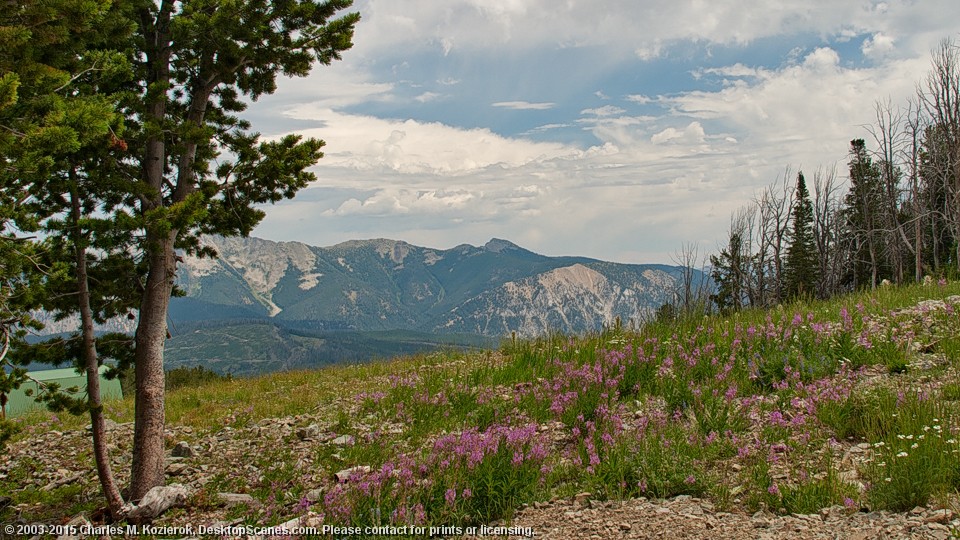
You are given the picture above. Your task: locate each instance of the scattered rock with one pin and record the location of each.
(157, 501)
(315, 495)
(344, 475)
(65, 478)
(183, 450)
(308, 432)
(939, 516)
(78, 523)
(235, 499)
(343, 440)
(177, 469)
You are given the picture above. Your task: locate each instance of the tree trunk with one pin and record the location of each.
(918, 242)
(150, 418)
(89, 351)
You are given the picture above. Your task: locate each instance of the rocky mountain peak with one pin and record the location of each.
(498, 245)
(382, 284)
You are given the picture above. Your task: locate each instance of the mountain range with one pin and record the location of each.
(494, 290)
(264, 306)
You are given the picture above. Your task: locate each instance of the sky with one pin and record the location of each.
(621, 130)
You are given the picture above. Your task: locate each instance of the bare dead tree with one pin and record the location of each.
(889, 133)
(940, 97)
(691, 294)
(914, 128)
(774, 205)
(833, 253)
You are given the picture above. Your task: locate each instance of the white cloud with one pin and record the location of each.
(822, 60)
(639, 98)
(336, 86)
(406, 201)
(606, 110)
(411, 147)
(736, 70)
(815, 101)
(878, 45)
(648, 182)
(691, 134)
(523, 105)
(427, 96)
(650, 51)
(644, 29)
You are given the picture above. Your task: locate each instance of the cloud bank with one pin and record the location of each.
(618, 131)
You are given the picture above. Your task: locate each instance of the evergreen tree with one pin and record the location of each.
(197, 59)
(145, 173)
(801, 264)
(729, 273)
(862, 212)
(935, 175)
(61, 165)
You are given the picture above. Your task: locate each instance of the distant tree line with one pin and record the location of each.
(898, 220)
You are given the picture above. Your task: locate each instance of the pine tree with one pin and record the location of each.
(59, 150)
(801, 264)
(729, 273)
(125, 175)
(197, 59)
(862, 211)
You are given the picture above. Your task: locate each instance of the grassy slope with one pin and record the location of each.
(699, 407)
(246, 348)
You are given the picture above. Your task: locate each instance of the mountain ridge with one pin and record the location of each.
(383, 284)
(262, 305)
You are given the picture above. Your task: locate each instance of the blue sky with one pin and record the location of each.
(613, 129)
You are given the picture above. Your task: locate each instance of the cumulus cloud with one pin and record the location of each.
(405, 201)
(412, 147)
(814, 96)
(693, 133)
(706, 140)
(878, 45)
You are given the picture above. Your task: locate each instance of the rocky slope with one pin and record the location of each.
(200, 460)
(496, 289)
